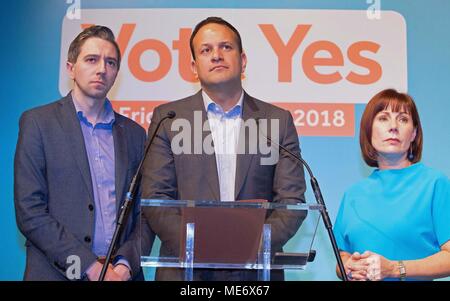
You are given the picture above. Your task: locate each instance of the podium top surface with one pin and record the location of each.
(256, 204)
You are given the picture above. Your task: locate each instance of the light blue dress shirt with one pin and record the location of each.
(99, 143)
(225, 128)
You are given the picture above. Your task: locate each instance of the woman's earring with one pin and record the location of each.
(410, 154)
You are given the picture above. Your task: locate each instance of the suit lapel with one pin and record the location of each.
(120, 159)
(74, 138)
(244, 159)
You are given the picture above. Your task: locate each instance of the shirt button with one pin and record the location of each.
(87, 239)
(91, 207)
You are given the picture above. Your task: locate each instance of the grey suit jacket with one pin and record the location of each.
(53, 193)
(168, 175)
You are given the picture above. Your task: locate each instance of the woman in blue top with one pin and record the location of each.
(395, 224)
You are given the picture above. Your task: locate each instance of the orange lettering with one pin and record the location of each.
(283, 51)
(165, 60)
(124, 36)
(84, 26)
(375, 70)
(310, 62)
(184, 55)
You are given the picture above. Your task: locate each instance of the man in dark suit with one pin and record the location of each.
(189, 171)
(73, 164)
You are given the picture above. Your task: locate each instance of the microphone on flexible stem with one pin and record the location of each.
(320, 201)
(129, 199)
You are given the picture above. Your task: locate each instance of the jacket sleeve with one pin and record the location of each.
(159, 182)
(288, 186)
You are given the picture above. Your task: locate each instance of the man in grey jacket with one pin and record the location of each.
(225, 172)
(73, 164)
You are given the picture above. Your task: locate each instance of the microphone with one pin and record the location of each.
(319, 200)
(129, 199)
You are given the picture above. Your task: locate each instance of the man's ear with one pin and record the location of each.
(243, 61)
(194, 69)
(70, 69)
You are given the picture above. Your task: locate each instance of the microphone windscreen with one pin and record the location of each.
(171, 114)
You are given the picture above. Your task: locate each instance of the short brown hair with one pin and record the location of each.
(215, 20)
(381, 101)
(95, 31)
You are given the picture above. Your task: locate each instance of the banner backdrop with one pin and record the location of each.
(322, 60)
(295, 59)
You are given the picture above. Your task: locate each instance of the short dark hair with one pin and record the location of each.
(215, 20)
(381, 101)
(95, 31)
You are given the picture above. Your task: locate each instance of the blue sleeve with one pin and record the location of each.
(338, 228)
(441, 210)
